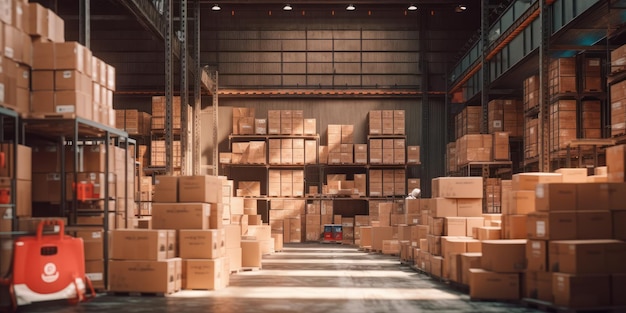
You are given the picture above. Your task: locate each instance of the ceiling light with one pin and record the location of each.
(216, 7)
(412, 7)
(287, 7)
(350, 7)
(460, 8)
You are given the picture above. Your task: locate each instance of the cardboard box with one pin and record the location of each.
(251, 253)
(538, 286)
(593, 225)
(202, 244)
(143, 276)
(469, 207)
(529, 181)
(514, 227)
(587, 256)
(618, 296)
(520, 202)
(592, 196)
(455, 226)
(181, 215)
(443, 207)
(381, 233)
(617, 196)
(581, 291)
(504, 256)
(92, 242)
(458, 187)
(489, 233)
(202, 188)
(555, 197)
(552, 225)
(166, 189)
(469, 260)
(573, 175)
(493, 286)
(204, 274)
(619, 219)
(23, 170)
(138, 244)
(537, 256)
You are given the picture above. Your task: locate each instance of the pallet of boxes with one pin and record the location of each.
(187, 245)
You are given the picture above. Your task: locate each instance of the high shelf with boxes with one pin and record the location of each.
(157, 148)
(575, 111)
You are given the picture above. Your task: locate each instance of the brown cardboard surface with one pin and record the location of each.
(494, 286)
(181, 215)
(166, 189)
(552, 225)
(468, 260)
(555, 197)
(469, 207)
(538, 286)
(537, 256)
(581, 291)
(142, 276)
(202, 188)
(593, 225)
(138, 244)
(251, 253)
(202, 244)
(504, 256)
(204, 274)
(458, 187)
(529, 181)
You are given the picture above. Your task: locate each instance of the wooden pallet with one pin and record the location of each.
(140, 294)
(55, 116)
(545, 306)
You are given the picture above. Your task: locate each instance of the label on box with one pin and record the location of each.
(539, 192)
(541, 228)
(94, 276)
(536, 245)
(8, 52)
(64, 109)
(25, 74)
(8, 214)
(67, 74)
(1, 92)
(497, 124)
(594, 62)
(96, 235)
(53, 177)
(92, 176)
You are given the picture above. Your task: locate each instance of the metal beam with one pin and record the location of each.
(84, 25)
(215, 124)
(544, 93)
(169, 85)
(153, 21)
(197, 92)
(484, 73)
(426, 135)
(184, 93)
(207, 79)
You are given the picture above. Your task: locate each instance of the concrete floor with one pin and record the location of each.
(309, 278)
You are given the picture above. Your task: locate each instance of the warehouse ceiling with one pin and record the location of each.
(121, 39)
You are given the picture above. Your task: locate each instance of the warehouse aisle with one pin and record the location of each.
(309, 278)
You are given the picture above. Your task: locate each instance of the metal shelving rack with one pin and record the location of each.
(78, 131)
(13, 122)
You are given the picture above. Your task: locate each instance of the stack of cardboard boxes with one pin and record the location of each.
(286, 218)
(134, 122)
(468, 121)
(386, 122)
(66, 78)
(563, 124)
(506, 115)
(144, 261)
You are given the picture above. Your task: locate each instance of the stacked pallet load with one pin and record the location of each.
(360, 221)
(318, 214)
(506, 115)
(134, 122)
(340, 142)
(563, 126)
(573, 247)
(493, 195)
(531, 122)
(386, 122)
(157, 143)
(451, 215)
(468, 121)
(618, 109)
(285, 217)
(474, 148)
(451, 158)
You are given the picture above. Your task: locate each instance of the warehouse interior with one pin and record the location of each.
(263, 155)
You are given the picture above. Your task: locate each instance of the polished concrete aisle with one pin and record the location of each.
(308, 278)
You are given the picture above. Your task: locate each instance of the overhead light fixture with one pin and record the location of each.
(216, 7)
(412, 7)
(460, 8)
(350, 7)
(287, 7)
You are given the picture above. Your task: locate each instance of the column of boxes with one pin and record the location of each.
(285, 218)
(506, 115)
(573, 245)
(66, 78)
(136, 249)
(286, 183)
(468, 121)
(133, 122)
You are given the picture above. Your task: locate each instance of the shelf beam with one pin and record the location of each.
(197, 92)
(544, 92)
(184, 94)
(169, 84)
